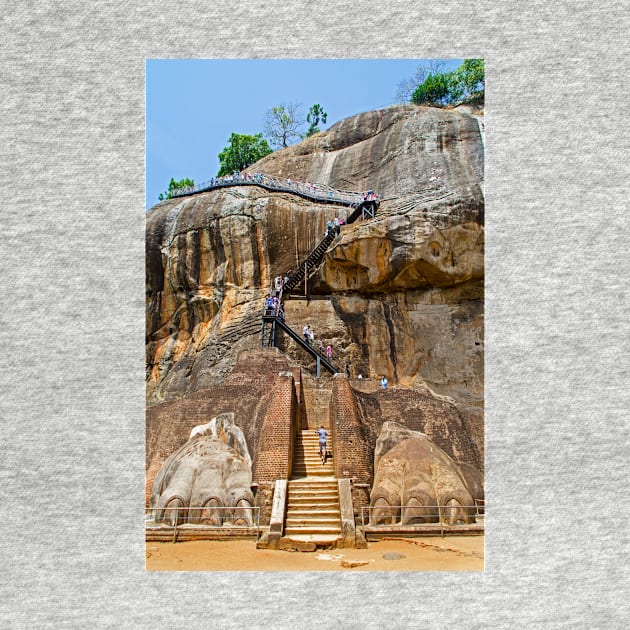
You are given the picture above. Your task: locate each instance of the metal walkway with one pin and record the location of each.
(268, 335)
(314, 192)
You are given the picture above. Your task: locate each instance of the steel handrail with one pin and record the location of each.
(315, 191)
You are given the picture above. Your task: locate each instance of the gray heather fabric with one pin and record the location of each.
(72, 169)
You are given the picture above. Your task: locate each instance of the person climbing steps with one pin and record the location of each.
(322, 442)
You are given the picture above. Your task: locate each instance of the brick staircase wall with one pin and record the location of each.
(353, 453)
(277, 435)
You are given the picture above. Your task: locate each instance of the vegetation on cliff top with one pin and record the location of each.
(242, 151)
(430, 85)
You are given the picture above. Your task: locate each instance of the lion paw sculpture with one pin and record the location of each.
(211, 472)
(416, 482)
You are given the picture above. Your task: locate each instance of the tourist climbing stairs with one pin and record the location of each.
(272, 322)
(313, 511)
(362, 205)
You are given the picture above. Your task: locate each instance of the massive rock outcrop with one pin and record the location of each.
(400, 294)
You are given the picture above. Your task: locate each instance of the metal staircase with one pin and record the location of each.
(270, 325)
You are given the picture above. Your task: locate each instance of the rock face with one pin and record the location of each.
(400, 295)
(413, 471)
(211, 471)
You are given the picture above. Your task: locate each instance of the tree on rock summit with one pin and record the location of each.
(315, 114)
(436, 88)
(283, 123)
(242, 151)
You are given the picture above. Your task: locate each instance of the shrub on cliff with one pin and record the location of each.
(466, 83)
(242, 151)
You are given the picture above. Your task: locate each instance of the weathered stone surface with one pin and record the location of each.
(212, 470)
(416, 473)
(408, 154)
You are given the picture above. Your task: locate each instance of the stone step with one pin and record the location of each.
(321, 539)
(315, 464)
(316, 467)
(313, 492)
(313, 472)
(312, 521)
(312, 456)
(312, 529)
(332, 484)
(311, 478)
(303, 512)
(306, 501)
(313, 504)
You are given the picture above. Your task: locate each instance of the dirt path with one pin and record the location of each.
(461, 553)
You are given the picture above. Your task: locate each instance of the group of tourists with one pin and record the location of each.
(309, 338)
(333, 227)
(273, 306)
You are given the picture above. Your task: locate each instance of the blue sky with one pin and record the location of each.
(193, 105)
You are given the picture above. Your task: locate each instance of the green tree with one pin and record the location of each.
(283, 124)
(175, 187)
(434, 90)
(315, 114)
(465, 83)
(242, 151)
(407, 87)
(468, 81)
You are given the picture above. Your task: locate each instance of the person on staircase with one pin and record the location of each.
(330, 228)
(336, 226)
(323, 434)
(329, 352)
(306, 331)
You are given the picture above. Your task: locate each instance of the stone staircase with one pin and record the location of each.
(317, 395)
(306, 459)
(313, 512)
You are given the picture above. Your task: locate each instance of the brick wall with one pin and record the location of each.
(438, 419)
(275, 445)
(352, 451)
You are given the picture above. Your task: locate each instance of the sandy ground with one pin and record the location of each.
(461, 553)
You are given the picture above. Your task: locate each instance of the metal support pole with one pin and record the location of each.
(305, 280)
(318, 366)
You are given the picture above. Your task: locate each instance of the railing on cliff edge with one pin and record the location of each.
(316, 192)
